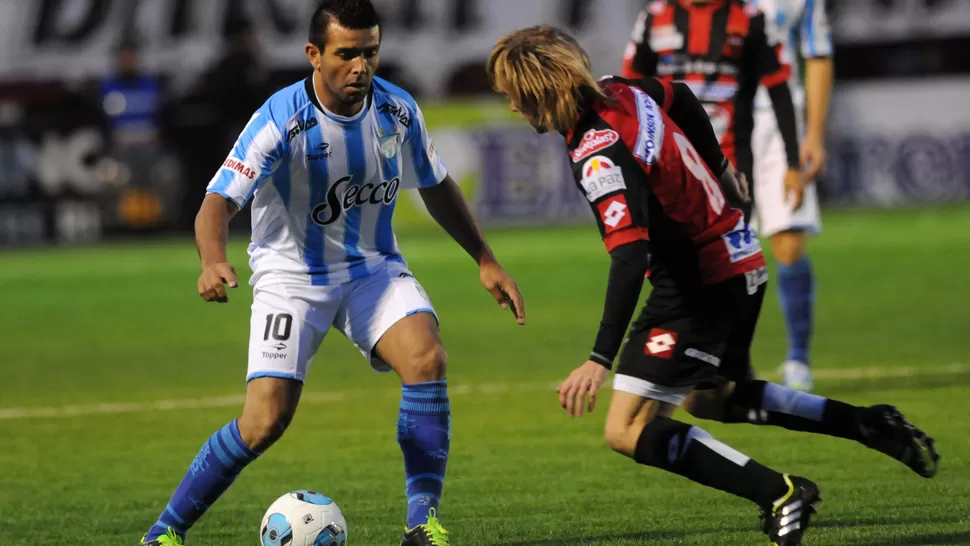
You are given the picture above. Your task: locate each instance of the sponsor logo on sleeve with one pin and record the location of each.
(594, 141)
(241, 167)
(615, 213)
(601, 177)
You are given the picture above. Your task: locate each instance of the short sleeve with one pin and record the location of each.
(816, 34)
(254, 157)
(423, 167)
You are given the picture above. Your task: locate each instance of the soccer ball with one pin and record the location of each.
(303, 518)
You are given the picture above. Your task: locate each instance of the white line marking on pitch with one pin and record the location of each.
(9, 414)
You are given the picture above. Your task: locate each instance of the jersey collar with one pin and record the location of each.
(315, 99)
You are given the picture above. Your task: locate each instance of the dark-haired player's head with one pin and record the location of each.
(545, 74)
(344, 50)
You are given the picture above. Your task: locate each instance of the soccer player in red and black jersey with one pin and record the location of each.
(665, 199)
(722, 50)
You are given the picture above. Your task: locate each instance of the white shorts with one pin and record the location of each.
(289, 320)
(652, 391)
(771, 213)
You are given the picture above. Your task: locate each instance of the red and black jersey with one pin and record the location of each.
(721, 50)
(657, 202)
(646, 181)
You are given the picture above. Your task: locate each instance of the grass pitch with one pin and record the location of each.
(114, 372)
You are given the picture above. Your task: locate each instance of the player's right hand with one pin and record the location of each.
(794, 188)
(586, 379)
(213, 281)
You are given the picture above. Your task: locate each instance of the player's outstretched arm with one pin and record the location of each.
(629, 263)
(211, 238)
(447, 206)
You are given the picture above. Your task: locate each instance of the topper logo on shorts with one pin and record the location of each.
(660, 343)
(241, 168)
(594, 141)
(355, 196)
(614, 213)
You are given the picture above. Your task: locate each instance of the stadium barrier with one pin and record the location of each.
(892, 144)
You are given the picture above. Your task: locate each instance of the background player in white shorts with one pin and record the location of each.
(788, 214)
(323, 162)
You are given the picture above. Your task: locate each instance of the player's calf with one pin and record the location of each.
(219, 461)
(796, 294)
(269, 408)
(643, 430)
(763, 403)
(424, 434)
(412, 347)
(880, 427)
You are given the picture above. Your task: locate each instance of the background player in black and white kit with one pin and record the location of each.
(642, 153)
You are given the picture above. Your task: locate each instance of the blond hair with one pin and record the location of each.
(545, 74)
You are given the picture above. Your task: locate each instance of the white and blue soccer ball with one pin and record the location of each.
(303, 518)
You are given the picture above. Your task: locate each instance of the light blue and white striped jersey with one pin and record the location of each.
(803, 27)
(323, 187)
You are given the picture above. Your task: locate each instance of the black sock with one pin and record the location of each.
(763, 403)
(692, 453)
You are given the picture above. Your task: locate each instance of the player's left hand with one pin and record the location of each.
(587, 378)
(503, 289)
(813, 156)
(794, 188)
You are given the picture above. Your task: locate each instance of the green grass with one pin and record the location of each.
(123, 323)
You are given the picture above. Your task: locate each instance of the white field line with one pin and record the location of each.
(9, 414)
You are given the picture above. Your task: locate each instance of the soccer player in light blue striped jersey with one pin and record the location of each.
(788, 215)
(323, 162)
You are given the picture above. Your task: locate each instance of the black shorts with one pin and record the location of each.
(692, 336)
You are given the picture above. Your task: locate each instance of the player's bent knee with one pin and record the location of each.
(270, 406)
(622, 434)
(621, 437)
(428, 364)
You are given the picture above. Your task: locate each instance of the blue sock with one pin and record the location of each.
(424, 432)
(214, 469)
(796, 289)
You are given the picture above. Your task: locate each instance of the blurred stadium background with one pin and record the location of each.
(114, 114)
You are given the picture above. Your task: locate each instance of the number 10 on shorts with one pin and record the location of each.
(278, 326)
